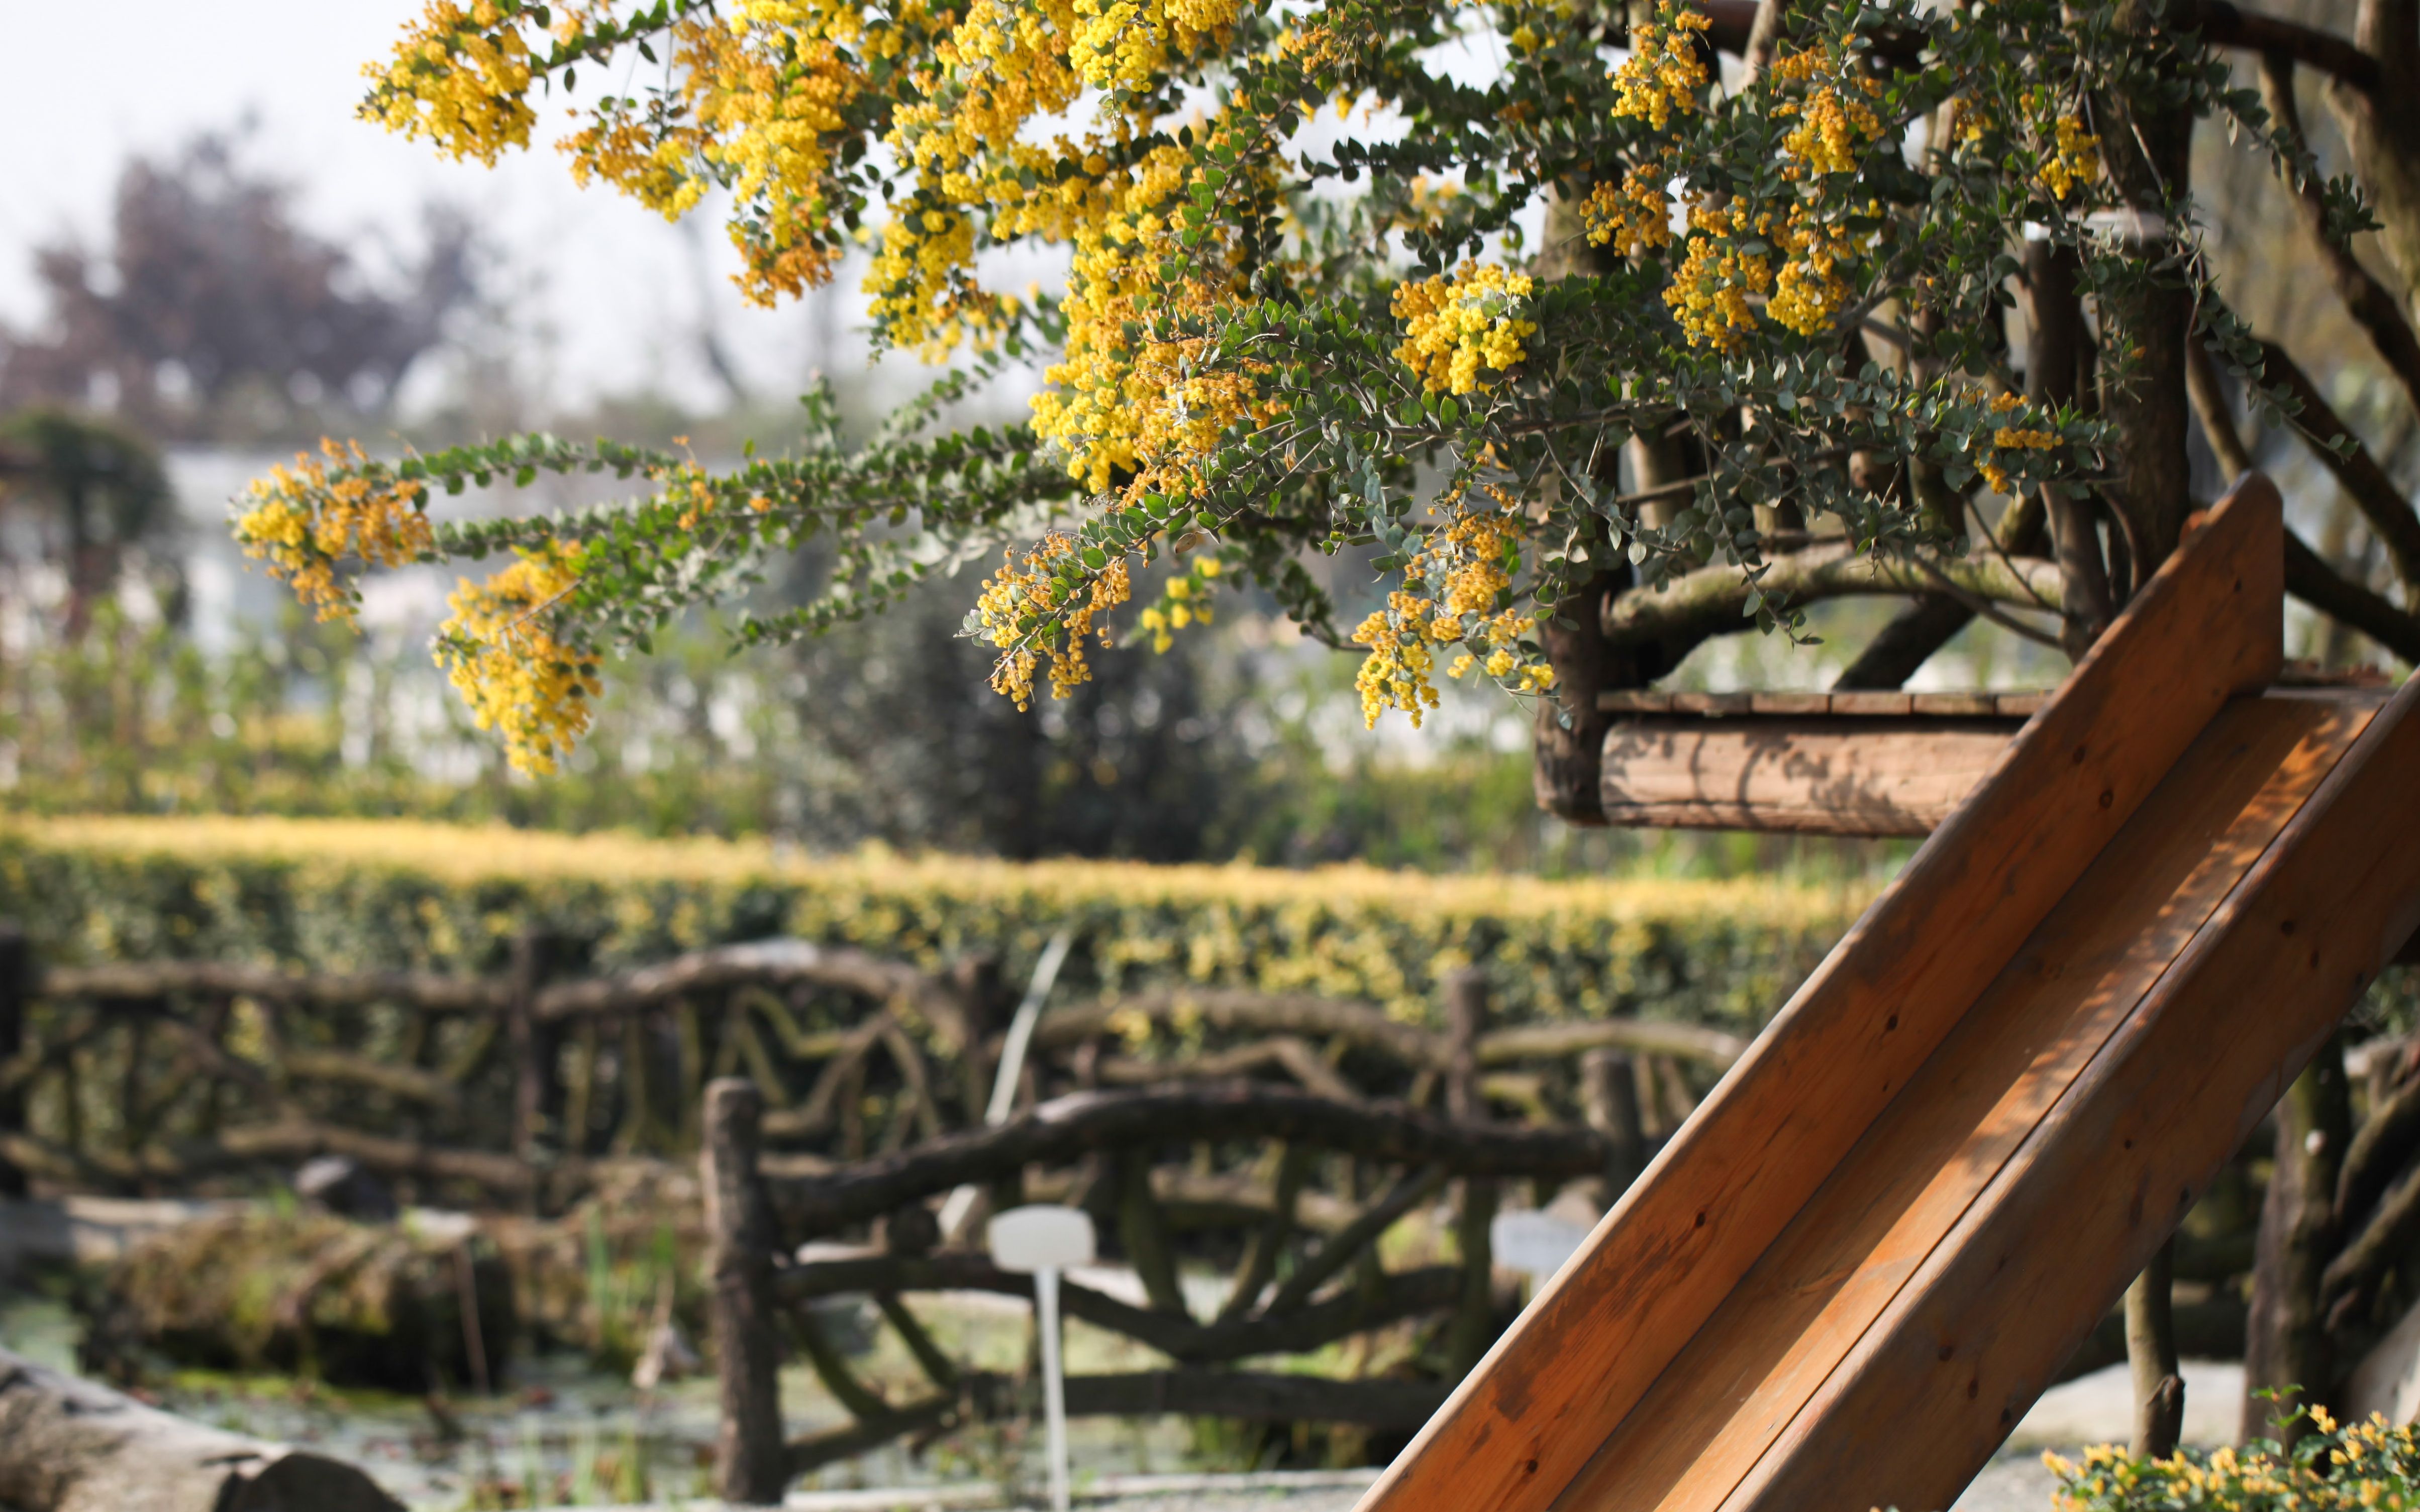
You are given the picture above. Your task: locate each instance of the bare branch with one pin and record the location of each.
(2336, 56)
(2366, 300)
(1712, 600)
(2373, 492)
(2210, 405)
(2310, 579)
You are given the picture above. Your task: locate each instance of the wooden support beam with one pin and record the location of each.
(1821, 775)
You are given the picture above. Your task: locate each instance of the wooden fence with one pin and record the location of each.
(1298, 1182)
(527, 1087)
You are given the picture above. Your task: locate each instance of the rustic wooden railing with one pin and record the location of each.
(1303, 1179)
(527, 1087)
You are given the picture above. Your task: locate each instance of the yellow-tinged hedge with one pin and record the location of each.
(342, 894)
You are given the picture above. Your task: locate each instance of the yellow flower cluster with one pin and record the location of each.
(1809, 290)
(1469, 561)
(500, 652)
(2074, 159)
(1632, 217)
(2368, 1465)
(303, 524)
(2011, 439)
(1454, 326)
(1015, 598)
(1120, 401)
(1835, 119)
(1709, 293)
(1185, 601)
(1663, 73)
(461, 78)
(755, 100)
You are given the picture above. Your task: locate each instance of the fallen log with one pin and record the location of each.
(1087, 1122)
(354, 1305)
(71, 1445)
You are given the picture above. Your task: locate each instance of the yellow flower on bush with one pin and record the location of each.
(500, 652)
(1467, 565)
(1456, 325)
(2074, 158)
(305, 525)
(1663, 73)
(1632, 217)
(1020, 592)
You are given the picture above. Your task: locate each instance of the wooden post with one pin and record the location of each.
(537, 1088)
(748, 1465)
(1473, 1326)
(16, 990)
(1609, 1101)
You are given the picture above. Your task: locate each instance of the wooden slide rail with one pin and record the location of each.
(2034, 1032)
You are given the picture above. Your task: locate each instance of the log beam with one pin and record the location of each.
(1810, 776)
(71, 1445)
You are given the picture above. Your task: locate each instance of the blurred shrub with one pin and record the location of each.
(2338, 1465)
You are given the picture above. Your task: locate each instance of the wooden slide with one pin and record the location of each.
(1851, 1272)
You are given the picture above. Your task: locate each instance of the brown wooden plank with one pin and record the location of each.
(1935, 1386)
(1893, 705)
(1633, 701)
(1829, 777)
(1789, 703)
(2021, 705)
(1713, 703)
(1811, 1297)
(1579, 1360)
(1953, 705)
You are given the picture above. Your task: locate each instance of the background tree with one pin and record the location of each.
(211, 313)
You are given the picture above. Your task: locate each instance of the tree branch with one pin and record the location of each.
(1129, 1122)
(2309, 578)
(2210, 405)
(1301, 1330)
(1712, 600)
(2336, 56)
(2373, 492)
(2367, 300)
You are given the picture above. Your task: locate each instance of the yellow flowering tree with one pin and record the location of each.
(1600, 347)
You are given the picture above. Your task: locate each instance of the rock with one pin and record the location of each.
(73, 1445)
(344, 1186)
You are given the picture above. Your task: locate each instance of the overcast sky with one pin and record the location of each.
(94, 81)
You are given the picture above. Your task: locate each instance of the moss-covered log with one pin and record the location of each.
(357, 1304)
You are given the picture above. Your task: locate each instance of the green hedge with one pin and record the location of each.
(353, 895)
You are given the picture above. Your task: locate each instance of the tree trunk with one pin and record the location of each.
(70, 1445)
(2285, 1340)
(2143, 394)
(2151, 1351)
(2381, 127)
